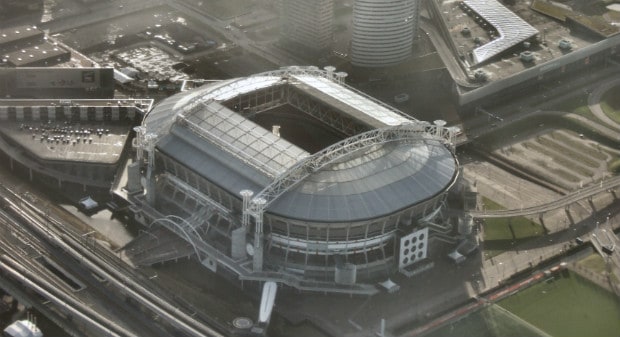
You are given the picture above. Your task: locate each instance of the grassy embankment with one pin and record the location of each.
(504, 234)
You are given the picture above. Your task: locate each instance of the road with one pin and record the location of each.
(594, 100)
(541, 102)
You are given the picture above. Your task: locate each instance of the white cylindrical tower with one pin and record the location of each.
(382, 32)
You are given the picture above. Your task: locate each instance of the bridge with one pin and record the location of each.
(563, 202)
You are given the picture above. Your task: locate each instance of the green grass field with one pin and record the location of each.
(567, 306)
(491, 321)
(498, 235)
(595, 264)
(610, 103)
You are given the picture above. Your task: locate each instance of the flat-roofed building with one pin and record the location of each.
(12, 36)
(70, 83)
(63, 142)
(41, 55)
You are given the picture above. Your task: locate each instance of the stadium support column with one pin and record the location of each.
(146, 142)
(340, 76)
(330, 72)
(258, 206)
(439, 126)
(239, 235)
(246, 194)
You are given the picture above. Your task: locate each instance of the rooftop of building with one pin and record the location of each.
(10, 35)
(35, 54)
(19, 48)
(63, 140)
(59, 141)
(353, 103)
(556, 36)
(510, 28)
(142, 104)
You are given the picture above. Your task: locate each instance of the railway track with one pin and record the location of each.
(52, 232)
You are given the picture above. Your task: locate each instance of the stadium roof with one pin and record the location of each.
(511, 28)
(202, 111)
(245, 139)
(353, 103)
(196, 129)
(211, 162)
(370, 183)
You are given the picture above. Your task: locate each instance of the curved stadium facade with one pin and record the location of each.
(335, 197)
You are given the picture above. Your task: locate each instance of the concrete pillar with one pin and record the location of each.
(30, 173)
(19, 113)
(150, 190)
(257, 262)
(133, 178)
(258, 209)
(36, 113)
(238, 243)
(115, 113)
(99, 114)
(382, 328)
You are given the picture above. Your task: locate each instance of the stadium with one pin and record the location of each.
(291, 176)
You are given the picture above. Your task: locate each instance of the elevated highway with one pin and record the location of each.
(563, 202)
